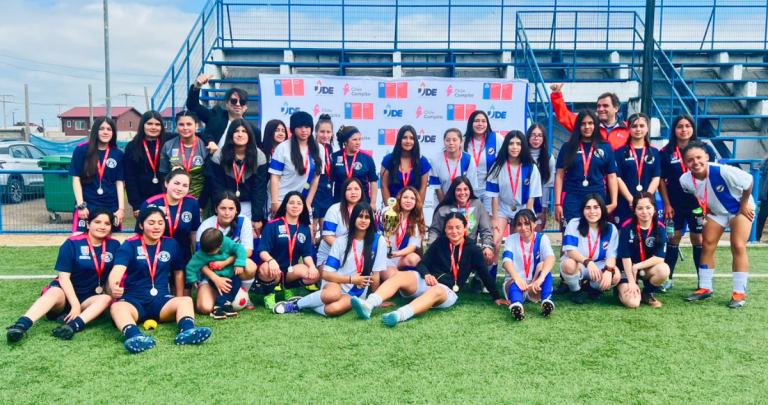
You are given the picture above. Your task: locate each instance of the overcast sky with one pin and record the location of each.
(45, 43)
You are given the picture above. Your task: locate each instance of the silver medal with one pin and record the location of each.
(290, 269)
(155, 180)
(153, 291)
(585, 183)
(237, 193)
(639, 187)
(703, 221)
(100, 191)
(455, 288)
(99, 290)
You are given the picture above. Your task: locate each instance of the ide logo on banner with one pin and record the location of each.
(390, 112)
(321, 90)
(460, 112)
(424, 91)
(393, 89)
(289, 87)
(497, 91)
(495, 114)
(288, 110)
(358, 111)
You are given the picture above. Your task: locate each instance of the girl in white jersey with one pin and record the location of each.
(590, 243)
(484, 145)
(724, 194)
(539, 145)
(528, 261)
(406, 239)
(337, 219)
(451, 163)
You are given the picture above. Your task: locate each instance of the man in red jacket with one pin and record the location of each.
(613, 131)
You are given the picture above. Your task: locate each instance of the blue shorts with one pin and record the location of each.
(81, 296)
(685, 216)
(148, 307)
(319, 212)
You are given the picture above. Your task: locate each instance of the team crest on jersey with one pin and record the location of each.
(491, 151)
(198, 160)
(650, 242)
(339, 160)
(164, 256)
(107, 257)
(151, 206)
(527, 182)
(358, 166)
(111, 163)
(605, 245)
(81, 223)
(720, 188)
(301, 238)
(599, 153)
(186, 217)
(649, 158)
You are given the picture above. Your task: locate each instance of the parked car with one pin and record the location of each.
(20, 155)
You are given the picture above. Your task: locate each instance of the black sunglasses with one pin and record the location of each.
(235, 101)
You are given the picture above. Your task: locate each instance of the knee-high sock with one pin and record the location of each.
(222, 299)
(705, 278)
(648, 287)
(311, 301)
(515, 295)
(248, 283)
(546, 288)
(493, 270)
(740, 282)
(374, 299)
(320, 310)
(572, 281)
(697, 256)
(404, 313)
(673, 253)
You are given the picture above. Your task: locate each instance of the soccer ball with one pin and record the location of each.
(241, 300)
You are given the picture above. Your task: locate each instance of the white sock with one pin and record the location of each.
(740, 282)
(595, 285)
(572, 281)
(311, 301)
(375, 300)
(248, 283)
(705, 278)
(320, 310)
(404, 313)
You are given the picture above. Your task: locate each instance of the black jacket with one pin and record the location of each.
(138, 175)
(253, 186)
(437, 262)
(215, 119)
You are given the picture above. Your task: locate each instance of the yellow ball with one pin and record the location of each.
(150, 324)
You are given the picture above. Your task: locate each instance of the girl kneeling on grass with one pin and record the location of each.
(139, 282)
(363, 254)
(84, 263)
(724, 194)
(406, 240)
(590, 243)
(284, 241)
(528, 261)
(437, 279)
(642, 248)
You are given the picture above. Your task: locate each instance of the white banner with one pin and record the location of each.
(379, 106)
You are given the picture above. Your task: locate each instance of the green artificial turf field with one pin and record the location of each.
(598, 353)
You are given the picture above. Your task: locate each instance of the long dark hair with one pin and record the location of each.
(635, 199)
(136, 146)
(603, 224)
(251, 150)
(370, 235)
(303, 217)
(470, 133)
(343, 202)
(314, 151)
(572, 145)
(450, 196)
(543, 162)
(672, 144)
(631, 121)
(268, 142)
(92, 153)
(502, 155)
(397, 152)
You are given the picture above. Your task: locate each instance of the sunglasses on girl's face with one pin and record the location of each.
(235, 101)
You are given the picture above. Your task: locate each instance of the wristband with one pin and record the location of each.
(586, 262)
(350, 279)
(81, 206)
(558, 205)
(609, 269)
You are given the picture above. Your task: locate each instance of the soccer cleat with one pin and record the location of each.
(700, 295)
(651, 300)
(62, 319)
(547, 307)
(269, 301)
(738, 301)
(312, 287)
(139, 343)
(577, 297)
(64, 332)
(561, 288)
(288, 294)
(249, 305)
(229, 310)
(362, 308)
(667, 285)
(391, 319)
(285, 307)
(218, 313)
(517, 311)
(15, 333)
(193, 336)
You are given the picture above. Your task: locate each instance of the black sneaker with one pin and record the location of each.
(561, 288)
(577, 297)
(547, 306)
(229, 310)
(64, 332)
(517, 311)
(218, 313)
(700, 295)
(15, 333)
(594, 294)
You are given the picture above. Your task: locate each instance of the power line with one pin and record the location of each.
(76, 68)
(69, 75)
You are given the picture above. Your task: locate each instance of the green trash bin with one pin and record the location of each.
(59, 196)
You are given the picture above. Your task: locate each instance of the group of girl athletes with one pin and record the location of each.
(483, 181)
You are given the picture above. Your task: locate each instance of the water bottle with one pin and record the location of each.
(670, 224)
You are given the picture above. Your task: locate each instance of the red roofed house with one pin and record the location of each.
(75, 122)
(169, 116)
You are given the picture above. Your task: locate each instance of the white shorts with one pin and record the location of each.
(245, 209)
(423, 287)
(583, 271)
(487, 203)
(393, 262)
(505, 211)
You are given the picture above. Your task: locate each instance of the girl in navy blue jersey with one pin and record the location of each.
(642, 247)
(585, 165)
(284, 241)
(351, 162)
(139, 283)
(405, 167)
(680, 208)
(638, 167)
(79, 293)
(97, 174)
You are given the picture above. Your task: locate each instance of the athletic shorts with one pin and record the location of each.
(81, 296)
(319, 212)
(683, 217)
(423, 287)
(583, 271)
(148, 307)
(487, 203)
(506, 211)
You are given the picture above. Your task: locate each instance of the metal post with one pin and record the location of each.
(754, 236)
(714, 22)
(3, 96)
(90, 106)
(648, 48)
(397, 12)
(289, 24)
(343, 26)
(106, 57)
(26, 111)
(146, 98)
(449, 24)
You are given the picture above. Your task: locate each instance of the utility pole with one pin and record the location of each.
(26, 112)
(648, 48)
(106, 57)
(146, 98)
(90, 105)
(3, 100)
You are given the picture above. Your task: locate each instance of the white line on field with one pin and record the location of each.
(36, 277)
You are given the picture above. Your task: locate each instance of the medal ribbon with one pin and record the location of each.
(587, 161)
(407, 175)
(291, 241)
(592, 249)
(680, 156)
(349, 170)
(479, 154)
(640, 164)
(152, 267)
(358, 264)
(152, 162)
(527, 260)
(516, 183)
(238, 176)
(99, 267)
(173, 225)
(455, 262)
(102, 166)
(702, 202)
(327, 162)
(641, 240)
(448, 167)
(188, 164)
(401, 231)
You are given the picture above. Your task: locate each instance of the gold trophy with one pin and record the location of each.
(389, 223)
